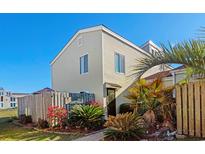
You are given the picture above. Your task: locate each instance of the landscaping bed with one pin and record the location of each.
(12, 130)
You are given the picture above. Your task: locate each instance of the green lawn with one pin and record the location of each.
(12, 132)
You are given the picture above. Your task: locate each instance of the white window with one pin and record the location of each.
(119, 63)
(1, 105)
(84, 64)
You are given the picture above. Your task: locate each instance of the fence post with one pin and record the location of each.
(179, 109)
(191, 108)
(185, 109)
(203, 108)
(197, 109)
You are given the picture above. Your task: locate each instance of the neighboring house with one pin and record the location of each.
(9, 99)
(99, 61)
(171, 77)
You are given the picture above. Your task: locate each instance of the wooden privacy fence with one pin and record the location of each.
(190, 99)
(36, 105)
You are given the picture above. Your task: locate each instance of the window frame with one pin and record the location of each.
(119, 63)
(83, 71)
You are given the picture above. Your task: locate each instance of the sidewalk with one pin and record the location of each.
(98, 136)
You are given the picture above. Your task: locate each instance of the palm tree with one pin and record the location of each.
(189, 53)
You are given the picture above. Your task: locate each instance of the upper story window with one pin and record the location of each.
(84, 64)
(12, 99)
(2, 98)
(119, 63)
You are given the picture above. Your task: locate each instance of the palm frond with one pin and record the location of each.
(189, 53)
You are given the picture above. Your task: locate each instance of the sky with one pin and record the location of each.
(29, 42)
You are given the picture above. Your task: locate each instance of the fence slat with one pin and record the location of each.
(203, 108)
(197, 110)
(37, 105)
(191, 108)
(185, 109)
(179, 109)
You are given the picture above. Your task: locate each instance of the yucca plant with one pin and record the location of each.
(87, 116)
(127, 126)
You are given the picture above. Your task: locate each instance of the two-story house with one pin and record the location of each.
(99, 61)
(7, 100)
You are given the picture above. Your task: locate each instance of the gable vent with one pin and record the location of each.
(80, 41)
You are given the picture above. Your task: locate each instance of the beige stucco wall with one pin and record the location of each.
(110, 46)
(100, 47)
(66, 69)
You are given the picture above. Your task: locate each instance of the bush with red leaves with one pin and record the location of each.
(56, 116)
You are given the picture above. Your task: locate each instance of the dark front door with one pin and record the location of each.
(111, 107)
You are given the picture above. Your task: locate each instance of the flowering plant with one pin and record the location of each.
(56, 116)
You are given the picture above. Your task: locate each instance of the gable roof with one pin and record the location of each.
(104, 29)
(151, 43)
(43, 90)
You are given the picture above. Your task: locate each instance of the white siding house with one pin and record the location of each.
(7, 100)
(99, 61)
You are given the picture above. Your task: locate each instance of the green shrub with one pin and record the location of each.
(127, 126)
(87, 116)
(126, 107)
(42, 124)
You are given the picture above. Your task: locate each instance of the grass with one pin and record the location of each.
(7, 114)
(12, 132)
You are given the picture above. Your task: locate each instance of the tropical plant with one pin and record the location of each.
(151, 98)
(126, 107)
(56, 116)
(87, 116)
(127, 126)
(189, 53)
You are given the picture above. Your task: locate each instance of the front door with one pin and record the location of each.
(111, 102)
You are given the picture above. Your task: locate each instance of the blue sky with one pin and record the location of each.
(29, 42)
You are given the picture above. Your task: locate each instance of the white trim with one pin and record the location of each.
(96, 28)
(149, 42)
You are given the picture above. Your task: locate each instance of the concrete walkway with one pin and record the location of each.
(98, 136)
